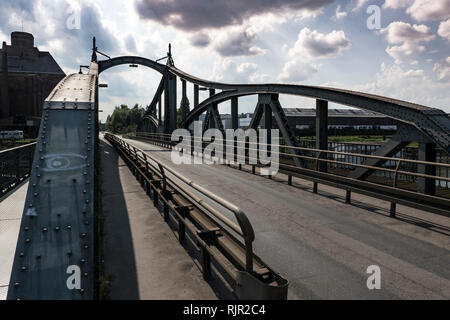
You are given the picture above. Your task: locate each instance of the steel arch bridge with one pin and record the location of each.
(57, 233)
(430, 127)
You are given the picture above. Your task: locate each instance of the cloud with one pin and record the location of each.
(76, 43)
(200, 40)
(130, 44)
(227, 70)
(397, 4)
(340, 14)
(442, 70)
(237, 42)
(194, 15)
(359, 5)
(309, 47)
(444, 29)
(410, 85)
(422, 10)
(314, 44)
(409, 37)
(297, 70)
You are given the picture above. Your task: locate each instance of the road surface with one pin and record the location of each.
(324, 246)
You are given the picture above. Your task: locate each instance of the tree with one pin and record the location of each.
(124, 119)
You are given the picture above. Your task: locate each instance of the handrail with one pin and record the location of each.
(446, 165)
(244, 229)
(18, 147)
(318, 159)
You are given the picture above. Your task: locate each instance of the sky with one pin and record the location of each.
(394, 48)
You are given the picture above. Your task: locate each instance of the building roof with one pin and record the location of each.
(24, 57)
(311, 112)
(43, 63)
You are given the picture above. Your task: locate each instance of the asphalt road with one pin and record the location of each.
(324, 246)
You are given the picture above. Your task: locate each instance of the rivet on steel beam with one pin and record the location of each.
(83, 260)
(81, 291)
(26, 228)
(30, 205)
(34, 185)
(86, 222)
(16, 284)
(86, 246)
(69, 253)
(44, 229)
(35, 194)
(87, 200)
(85, 274)
(58, 214)
(21, 254)
(69, 227)
(83, 235)
(56, 229)
(74, 180)
(23, 268)
(27, 240)
(38, 257)
(48, 180)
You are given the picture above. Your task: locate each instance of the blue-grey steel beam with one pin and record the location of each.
(322, 130)
(427, 152)
(54, 256)
(234, 113)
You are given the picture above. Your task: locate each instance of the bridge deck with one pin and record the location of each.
(143, 259)
(323, 246)
(11, 207)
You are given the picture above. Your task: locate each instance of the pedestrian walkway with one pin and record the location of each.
(142, 257)
(11, 208)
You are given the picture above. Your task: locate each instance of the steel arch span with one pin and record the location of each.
(430, 127)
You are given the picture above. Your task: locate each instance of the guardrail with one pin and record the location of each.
(249, 275)
(395, 189)
(15, 166)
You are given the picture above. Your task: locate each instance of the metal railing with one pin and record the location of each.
(15, 166)
(166, 182)
(401, 177)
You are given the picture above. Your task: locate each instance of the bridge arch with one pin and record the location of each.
(434, 123)
(106, 64)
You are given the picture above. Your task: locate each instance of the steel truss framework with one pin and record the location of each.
(417, 123)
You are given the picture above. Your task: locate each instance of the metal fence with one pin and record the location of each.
(15, 166)
(395, 180)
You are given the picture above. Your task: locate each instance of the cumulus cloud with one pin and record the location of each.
(409, 39)
(310, 46)
(200, 39)
(193, 15)
(71, 46)
(227, 70)
(442, 69)
(237, 42)
(410, 85)
(444, 29)
(319, 45)
(297, 70)
(422, 10)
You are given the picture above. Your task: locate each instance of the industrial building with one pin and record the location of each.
(27, 76)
